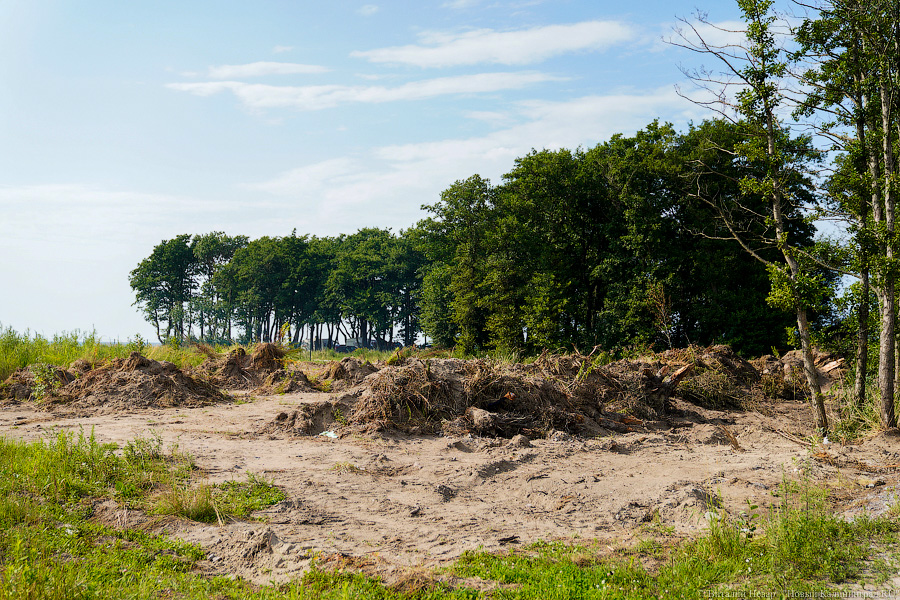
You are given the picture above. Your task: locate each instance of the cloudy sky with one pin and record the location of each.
(126, 123)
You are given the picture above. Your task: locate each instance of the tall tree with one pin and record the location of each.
(213, 251)
(163, 284)
(756, 67)
(851, 48)
(458, 244)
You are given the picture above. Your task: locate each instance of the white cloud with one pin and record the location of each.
(88, 215)
(386, 186)
(282, 49)
(261, 69)
(460, 3)
(259, 96)
(367, 10)
(508, 47)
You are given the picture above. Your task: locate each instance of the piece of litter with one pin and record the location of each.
(329, 434)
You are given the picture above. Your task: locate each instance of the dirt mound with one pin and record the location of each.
(309, 419)
(570, 393)
(233, 371)
(122, 383)
(139, 382)
(267, 358)
(264, 371)
(347, 373)
(35, 382)
(285, 381)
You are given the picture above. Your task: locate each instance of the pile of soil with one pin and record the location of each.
(347, 372)
(119, 384)
(285, 381)
(309, 419)
(264, 371)
(35, 382)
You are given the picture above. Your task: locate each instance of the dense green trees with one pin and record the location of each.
(164, 284)
(607, 246)
(217, 287)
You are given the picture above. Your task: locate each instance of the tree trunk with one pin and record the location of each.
(862, 315)
(886, 363)
(886, 350)
(862, 341)
(812, 377)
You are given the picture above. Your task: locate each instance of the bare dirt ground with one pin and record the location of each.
(388, 502)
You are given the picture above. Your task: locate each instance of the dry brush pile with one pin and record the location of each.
(265, 370)
(573, 393)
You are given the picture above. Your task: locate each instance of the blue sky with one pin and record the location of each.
(126, 123)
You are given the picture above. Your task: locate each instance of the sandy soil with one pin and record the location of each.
(389, 503)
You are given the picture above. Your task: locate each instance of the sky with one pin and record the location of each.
(123, 124)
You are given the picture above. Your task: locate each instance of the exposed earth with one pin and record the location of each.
(390, 493)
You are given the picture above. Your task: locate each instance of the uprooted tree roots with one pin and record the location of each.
(264, 371)
(568, 393)
(574, 393)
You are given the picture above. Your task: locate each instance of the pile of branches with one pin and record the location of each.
(261, 370)
(571, 393)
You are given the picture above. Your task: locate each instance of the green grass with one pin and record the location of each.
(219, 502)
(856, 422)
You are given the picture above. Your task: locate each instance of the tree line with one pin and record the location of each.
(221, 288)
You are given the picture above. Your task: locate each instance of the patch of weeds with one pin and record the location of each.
(649, 546)
(137, 344)
(183, 499)
(239, 499)
(856, 420)
(216, 503)
(712, 388)
(339, 417)
(553, 572)
(46, 382)
(657, 526)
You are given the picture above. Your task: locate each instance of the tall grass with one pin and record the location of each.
(18, 350)
(853, 420)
